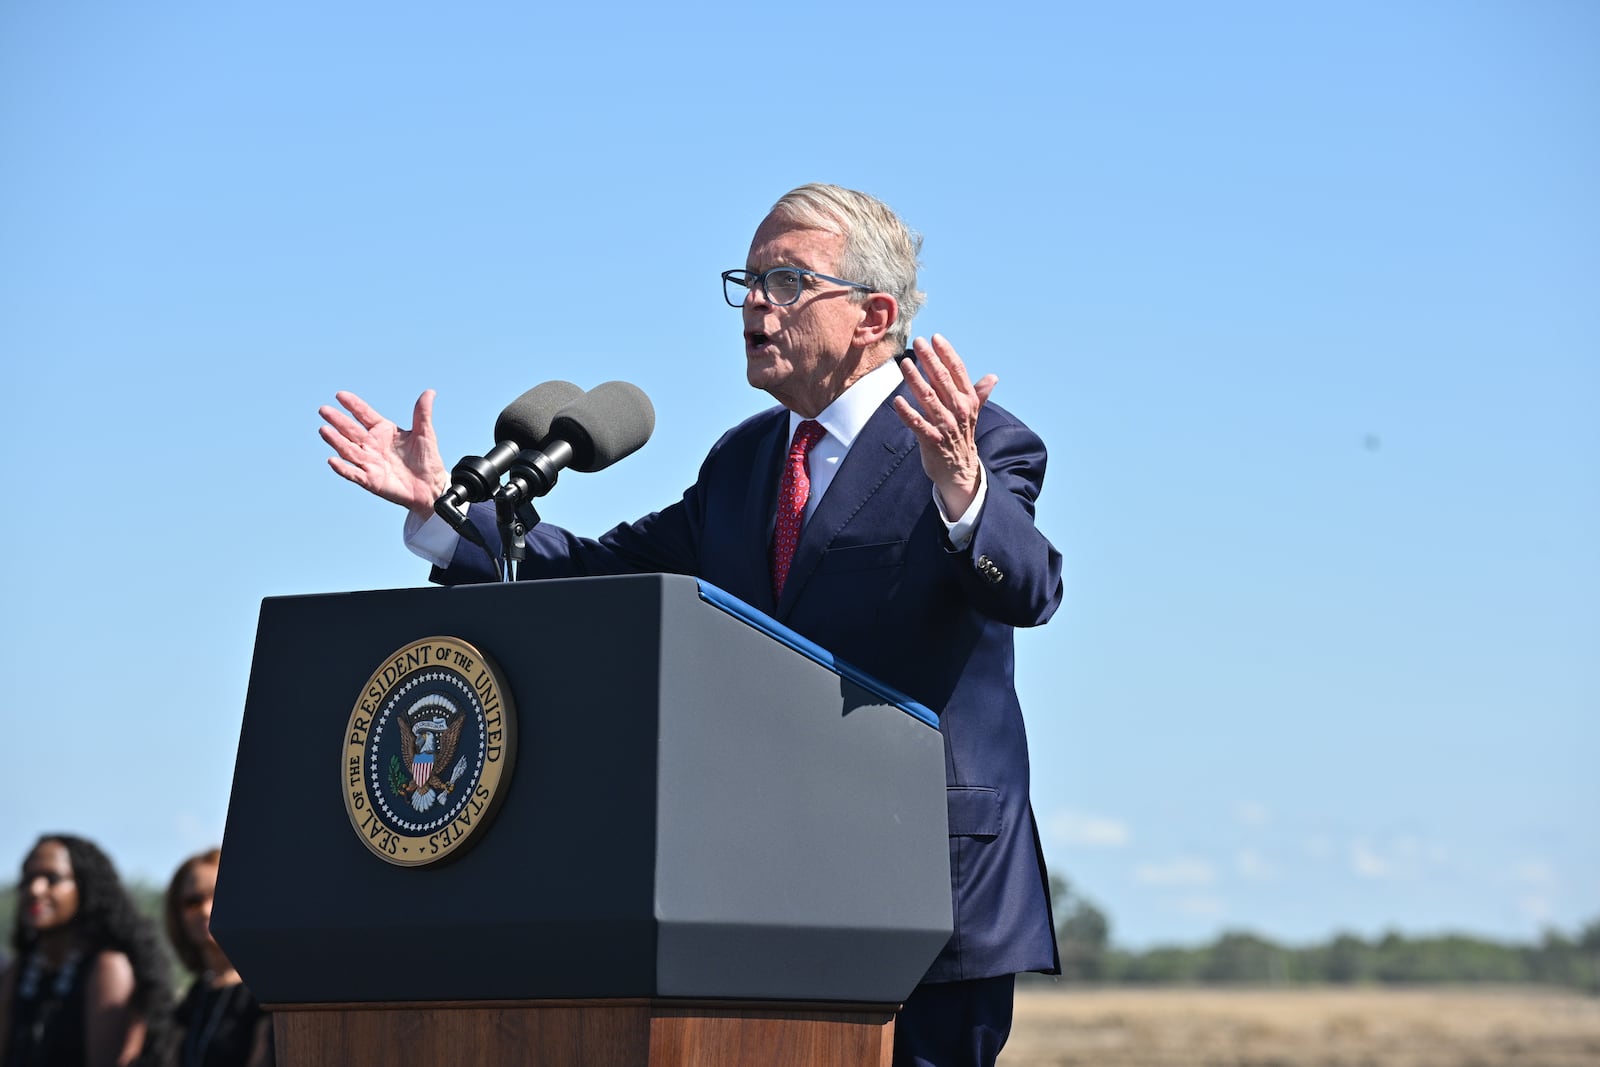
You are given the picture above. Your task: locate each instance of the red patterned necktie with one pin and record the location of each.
(792, 494)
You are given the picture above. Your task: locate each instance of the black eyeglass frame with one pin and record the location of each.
(747, 281)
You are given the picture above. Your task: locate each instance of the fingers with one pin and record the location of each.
(402, 466)
(349, 472)
(934, 384)
(939, 381)
(349, 448)
(920, 422)
(346, 426)
(422, 414)
(358, 443)
(921, 427)
(984, 387)
(946, 376)
(937, 430)
(945, 363)
(946, 425)
(359, 408)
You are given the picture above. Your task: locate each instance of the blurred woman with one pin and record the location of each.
(220, 1022)
(89, 984)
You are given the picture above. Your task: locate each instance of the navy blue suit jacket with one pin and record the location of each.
(876, 581)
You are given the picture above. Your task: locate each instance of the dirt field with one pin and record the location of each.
(1304, 1028)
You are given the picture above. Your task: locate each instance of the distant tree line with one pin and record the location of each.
(1083, 934)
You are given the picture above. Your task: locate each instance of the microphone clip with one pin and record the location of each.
(514, 518)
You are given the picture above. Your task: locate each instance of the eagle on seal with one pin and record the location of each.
(427, 744)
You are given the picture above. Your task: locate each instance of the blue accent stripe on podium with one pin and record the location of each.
(812, 651)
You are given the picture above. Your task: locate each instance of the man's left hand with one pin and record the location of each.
(946, 427)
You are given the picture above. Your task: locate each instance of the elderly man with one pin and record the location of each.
(914, 568)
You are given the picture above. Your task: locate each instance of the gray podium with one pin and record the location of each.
(714, 845)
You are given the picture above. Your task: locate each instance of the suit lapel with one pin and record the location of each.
(760, 512)
(882, 446)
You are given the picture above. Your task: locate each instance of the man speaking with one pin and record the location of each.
(885, 511)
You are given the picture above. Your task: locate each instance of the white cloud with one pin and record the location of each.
(1403, 858)
(1251, 813)
(1087, 830)
(1366, 862)
(1534, 872)
(1417, 853)
(1253, 866)
(1184, 871)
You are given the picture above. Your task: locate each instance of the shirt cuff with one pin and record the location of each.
(432, 539)
(960, 531)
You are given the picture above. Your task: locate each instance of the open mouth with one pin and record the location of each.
(755, 338)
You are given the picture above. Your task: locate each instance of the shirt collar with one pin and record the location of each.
(845, 418)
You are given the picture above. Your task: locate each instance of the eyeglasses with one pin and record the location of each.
(780, 285)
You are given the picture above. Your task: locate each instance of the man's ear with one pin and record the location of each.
(878, 314)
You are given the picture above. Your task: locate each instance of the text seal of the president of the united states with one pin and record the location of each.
(429, 752)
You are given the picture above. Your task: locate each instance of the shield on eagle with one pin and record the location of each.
(427, 741)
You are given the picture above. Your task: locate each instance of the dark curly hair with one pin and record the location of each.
(107, 918)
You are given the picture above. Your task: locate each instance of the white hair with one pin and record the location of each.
(879, 249)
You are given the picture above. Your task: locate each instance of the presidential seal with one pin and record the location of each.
(429, 752)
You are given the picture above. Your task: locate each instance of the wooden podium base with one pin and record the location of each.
(579, 1033)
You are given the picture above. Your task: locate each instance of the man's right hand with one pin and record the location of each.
(399, 465)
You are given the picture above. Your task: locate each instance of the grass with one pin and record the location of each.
(1361, 1027)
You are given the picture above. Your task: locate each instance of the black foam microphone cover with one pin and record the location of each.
(526, 420)
(523, 424)
(610, 421)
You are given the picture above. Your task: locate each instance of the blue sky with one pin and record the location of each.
(1304, 299)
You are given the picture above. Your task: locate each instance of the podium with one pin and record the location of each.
(713, 843)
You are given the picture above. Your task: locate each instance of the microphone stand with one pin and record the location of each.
(532, 475)
(515, 516)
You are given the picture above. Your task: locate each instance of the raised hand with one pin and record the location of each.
(399, 465)
(946, 426)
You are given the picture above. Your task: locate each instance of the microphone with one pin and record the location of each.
(610, 421)
(523, 424)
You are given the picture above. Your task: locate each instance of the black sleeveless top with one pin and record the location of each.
(47, 1018)
(218, 1025)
